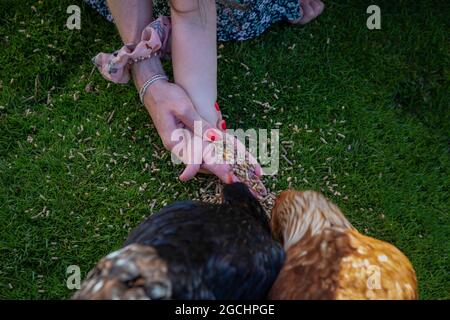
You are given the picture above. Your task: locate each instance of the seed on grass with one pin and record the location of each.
(82, 156)
(245, 66)
(287, 160)
(323, 140)
(143, 187)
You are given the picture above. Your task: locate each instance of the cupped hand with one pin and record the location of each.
(173, 112)
(227, 158)
(170, 109)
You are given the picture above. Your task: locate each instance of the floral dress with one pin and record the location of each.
(232, 23)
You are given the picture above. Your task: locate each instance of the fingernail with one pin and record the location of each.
(232, 178)
(212, 135)
(216, 105)
(223, 125)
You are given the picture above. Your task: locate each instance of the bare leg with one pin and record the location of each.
(131, 17)
(194, 53)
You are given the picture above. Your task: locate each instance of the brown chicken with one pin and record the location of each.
(326, 258)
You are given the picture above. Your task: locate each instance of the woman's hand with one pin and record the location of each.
(170, 109)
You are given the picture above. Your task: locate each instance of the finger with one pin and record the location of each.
(258, 170)
(192, 119)
(189, 172)
(222, 124)
(222, 171)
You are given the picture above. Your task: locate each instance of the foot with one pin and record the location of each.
(311, 9)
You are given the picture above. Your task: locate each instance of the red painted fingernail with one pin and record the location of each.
(210, 135)
(232, 178)
(217, 106)
(224, 125)
(213, 135)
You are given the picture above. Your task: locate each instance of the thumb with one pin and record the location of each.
(194, 121)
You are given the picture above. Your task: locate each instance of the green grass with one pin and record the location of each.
(71, 194)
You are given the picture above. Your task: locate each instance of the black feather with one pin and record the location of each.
(239, 194)
(215, 251)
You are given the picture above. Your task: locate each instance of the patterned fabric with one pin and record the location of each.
(115, 66)
(232, 24)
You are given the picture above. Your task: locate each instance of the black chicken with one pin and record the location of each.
(193, 250)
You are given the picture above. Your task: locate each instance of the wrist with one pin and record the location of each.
(155, 93)
(145, 69)
(148, 83)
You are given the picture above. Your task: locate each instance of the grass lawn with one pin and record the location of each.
(79, 169)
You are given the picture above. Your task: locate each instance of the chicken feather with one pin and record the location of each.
(193, 250)
(326, 258)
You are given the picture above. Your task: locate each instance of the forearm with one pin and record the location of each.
(194, 53)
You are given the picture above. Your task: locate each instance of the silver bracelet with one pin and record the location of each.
(147, 83)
